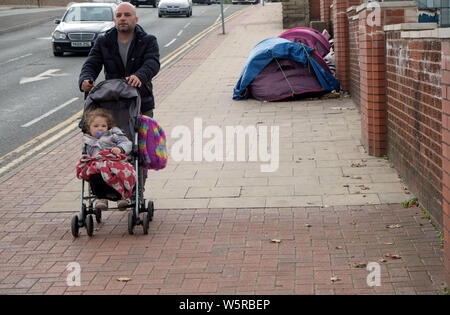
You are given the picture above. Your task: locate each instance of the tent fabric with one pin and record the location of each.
(309, 37)
(279, 48)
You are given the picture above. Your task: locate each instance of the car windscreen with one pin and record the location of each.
(80, 14)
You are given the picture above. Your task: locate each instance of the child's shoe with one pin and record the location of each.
(101, 204)
(122, 204)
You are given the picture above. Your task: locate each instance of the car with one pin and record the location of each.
(137, 3)
(208, 2)
(175, 7)
(80, 26)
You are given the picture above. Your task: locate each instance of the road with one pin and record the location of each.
(39, 91)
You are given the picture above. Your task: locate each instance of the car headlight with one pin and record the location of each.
(59, 35)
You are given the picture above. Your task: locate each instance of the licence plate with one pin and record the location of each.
(81, 44)
(173, 10)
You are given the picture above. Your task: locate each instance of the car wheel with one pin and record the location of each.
(58, 53)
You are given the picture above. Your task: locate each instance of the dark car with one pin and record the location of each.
(137, 3)
(80, 26)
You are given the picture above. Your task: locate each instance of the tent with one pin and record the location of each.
(310, 37)
(277, 69)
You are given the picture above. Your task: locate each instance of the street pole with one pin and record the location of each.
(262, 2)
(223, 19)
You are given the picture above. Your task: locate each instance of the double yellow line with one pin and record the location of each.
(71, 123)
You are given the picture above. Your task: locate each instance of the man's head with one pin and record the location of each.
(125, 17)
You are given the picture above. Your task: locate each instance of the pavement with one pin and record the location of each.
(326, 221)
(14, 18)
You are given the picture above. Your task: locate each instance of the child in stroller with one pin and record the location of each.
(102, 134)
(123, 102)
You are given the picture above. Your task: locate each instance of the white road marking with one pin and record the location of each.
(220, 15)
(170, 43)
(187, 25)
(28, 124)
(15, 59)
(180, 32)
(46, 38)
(44, 75)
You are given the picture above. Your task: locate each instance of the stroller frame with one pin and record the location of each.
(113, 91)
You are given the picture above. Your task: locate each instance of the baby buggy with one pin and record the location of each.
(124, 103)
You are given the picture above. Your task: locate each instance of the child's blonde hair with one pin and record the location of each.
(100, 112)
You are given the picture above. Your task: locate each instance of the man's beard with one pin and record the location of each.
(125, 28)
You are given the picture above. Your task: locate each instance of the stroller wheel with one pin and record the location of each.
(75, 226)
(90, 225)
(150, 210)
(145, 222)
(131, 222)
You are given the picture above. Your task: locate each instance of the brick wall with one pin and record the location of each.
(295, 13)
(446, 152)
(414, 109)
(354, 59)
(325, 13)
(314, 10)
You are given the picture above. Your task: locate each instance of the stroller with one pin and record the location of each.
(124, 103)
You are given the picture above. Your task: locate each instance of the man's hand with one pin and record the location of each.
(134, 81)
(86, 86)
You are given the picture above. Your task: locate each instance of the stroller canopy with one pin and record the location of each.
(121, 99)
(278, 68)
(310, 37)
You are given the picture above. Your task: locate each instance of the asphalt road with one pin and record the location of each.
(39, 91)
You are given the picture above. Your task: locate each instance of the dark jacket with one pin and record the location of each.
(142, 61)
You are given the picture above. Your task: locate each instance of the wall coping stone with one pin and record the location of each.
(410, 27)
(441, 33)
(393, 4)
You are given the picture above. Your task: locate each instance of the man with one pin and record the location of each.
(126, 51)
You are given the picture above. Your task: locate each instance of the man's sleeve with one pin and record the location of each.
(93, 64)
(151, 64)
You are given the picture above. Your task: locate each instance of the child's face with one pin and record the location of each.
(99, 125)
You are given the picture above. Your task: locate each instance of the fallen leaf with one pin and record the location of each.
(393, 226)
(359, 265)
(335, 279)
(353, 223)
(389, 243)
(339, 247)
(382, 260)
(308, 225)
(393, 256)
(123, 279)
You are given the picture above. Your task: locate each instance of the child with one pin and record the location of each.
(102, 135)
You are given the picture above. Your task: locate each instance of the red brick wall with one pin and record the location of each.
(414, 109)
(354, 59)
(314, 10)
(446, 152)
(325, 13)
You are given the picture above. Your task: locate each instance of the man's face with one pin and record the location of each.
(125, 18)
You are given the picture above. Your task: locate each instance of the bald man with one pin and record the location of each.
(125, 51)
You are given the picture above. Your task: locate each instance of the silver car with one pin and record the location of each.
(175, 7)
(80, 26)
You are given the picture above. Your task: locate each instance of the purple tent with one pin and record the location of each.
(309, 37)
(284, 78)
